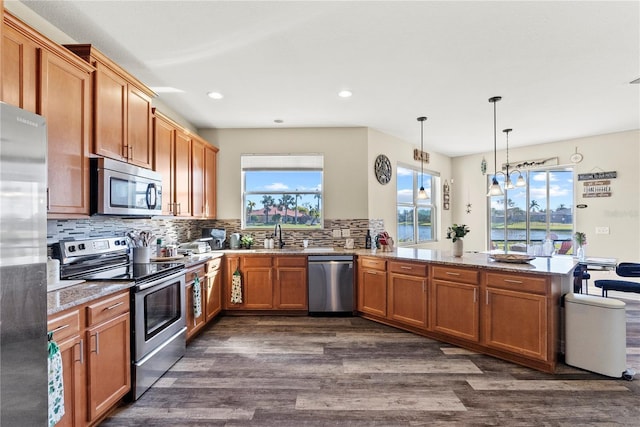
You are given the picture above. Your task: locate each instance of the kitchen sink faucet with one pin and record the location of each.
(275, 234)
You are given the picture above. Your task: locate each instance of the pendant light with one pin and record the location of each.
(422, 194)
(494, 188)
(508, 184)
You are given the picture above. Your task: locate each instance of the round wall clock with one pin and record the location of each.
(382, 168)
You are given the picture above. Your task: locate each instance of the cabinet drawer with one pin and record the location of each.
(455, 274)
(107, 308)
(192, 272)
(64, 325)
(257, 261)
(213, 264)
(291, 261)
(373, 263)
(408, 268)
(517, 282)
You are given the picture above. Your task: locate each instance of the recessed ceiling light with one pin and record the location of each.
(215, 95)
(278, 121)
(345, 93)
(636, 81)
(166, 89)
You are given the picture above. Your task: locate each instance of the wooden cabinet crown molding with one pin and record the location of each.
(90, 54)
(13, 22)
(171, 122)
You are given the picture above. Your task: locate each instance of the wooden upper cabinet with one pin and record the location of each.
(164, 159)
(122, 110)
(197, 177)
(41, 76)
(65, 102)
(20, 58)
(182, 174)
(210, 180)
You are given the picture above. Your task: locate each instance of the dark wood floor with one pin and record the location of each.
(310, 371)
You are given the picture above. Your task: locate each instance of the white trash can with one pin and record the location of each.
(595, 334)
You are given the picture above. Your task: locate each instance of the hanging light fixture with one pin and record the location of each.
(508, 184)
(494, 188)
(422, 194)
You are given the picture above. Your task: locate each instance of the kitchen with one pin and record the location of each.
(349, 156)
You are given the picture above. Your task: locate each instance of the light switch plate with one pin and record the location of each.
(602, 230)
(336, 233)
(346, 232)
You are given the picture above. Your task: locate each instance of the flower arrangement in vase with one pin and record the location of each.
(456, 232)
(247, 240)
(581, 241)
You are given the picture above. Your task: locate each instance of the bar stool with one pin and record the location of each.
(581, 275)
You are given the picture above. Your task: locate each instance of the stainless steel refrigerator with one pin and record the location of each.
(23, 254)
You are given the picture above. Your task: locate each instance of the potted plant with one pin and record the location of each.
(246, 240)
(456, 232)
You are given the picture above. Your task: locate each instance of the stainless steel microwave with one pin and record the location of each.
(118, 188)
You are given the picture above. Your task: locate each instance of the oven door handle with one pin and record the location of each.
(160, 280)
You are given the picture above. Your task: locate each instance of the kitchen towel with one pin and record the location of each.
(236, 288)
(56, 385)
(197, 301)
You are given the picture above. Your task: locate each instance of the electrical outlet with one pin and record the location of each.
(602, 230)
(336, 233)
(346, 232)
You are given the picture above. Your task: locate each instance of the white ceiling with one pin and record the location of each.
(563, 68)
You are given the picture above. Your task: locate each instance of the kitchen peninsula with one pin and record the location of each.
(510, 311)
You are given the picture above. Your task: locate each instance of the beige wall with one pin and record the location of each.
(382, 198)
(618, 152)
(345, 164)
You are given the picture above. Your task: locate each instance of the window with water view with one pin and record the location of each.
(282, 189)
(528, 215)
(416, 217)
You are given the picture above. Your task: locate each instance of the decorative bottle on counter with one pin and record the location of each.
(367, 241)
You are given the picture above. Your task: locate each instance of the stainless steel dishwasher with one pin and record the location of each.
(331, 284)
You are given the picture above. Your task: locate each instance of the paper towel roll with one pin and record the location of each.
(53, 270)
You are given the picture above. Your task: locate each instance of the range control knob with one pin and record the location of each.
(82, 247)
(71, 248)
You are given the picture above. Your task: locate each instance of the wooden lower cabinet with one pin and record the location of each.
(408, 293)
(94, 341)
(372, 286)
(213, 289)
(268, 282)
(517, 321)
(68, 335)
(290, 291)
(195, 323)
(455, 307)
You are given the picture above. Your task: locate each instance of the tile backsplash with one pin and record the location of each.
(173, 230)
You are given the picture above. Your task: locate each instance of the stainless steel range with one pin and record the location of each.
(158, 336)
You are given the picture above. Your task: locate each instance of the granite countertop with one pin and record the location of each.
(556, 265)
(75, 295)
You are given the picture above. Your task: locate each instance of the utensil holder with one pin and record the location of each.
(141, 255)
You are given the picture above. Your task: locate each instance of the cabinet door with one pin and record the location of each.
(20, 57)
(455, 309)
(139, 139)
(408, 299)
(372, 292)
(65, 103)
(213, 296)
(291, 288)
(232, 263)
(197, 178)
(164, 139)
(516, 322)
(110, 114)
(258, 288)
(210, 181)
(182, 174)
(71, 350)
(109, 364)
